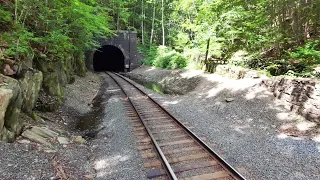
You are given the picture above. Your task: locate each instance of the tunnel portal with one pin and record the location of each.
(109, 58)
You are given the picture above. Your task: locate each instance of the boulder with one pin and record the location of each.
(63, 140)
(30, 84)
(40, 135)
(5, 96)
(12, 125)
(54, 79)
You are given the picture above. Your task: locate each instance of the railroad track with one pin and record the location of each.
(170, 149)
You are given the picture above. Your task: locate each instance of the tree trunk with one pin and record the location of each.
(16, 11)
(142, 22)
(153, 17)
(163, 36)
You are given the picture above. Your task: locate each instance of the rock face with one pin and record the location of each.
(5, 96)
(30, 85)
(11, 92)
(301, 95)
(236, 72)
(56, 74)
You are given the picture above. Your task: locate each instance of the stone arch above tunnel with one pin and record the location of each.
(109, 58)
(126, 41)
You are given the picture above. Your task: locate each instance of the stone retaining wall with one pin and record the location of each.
(302, 96)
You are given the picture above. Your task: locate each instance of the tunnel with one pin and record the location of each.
(108, 58)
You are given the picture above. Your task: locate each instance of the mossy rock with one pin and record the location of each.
(30, 84)
(12, 123)
(80, 66)
(54, 81)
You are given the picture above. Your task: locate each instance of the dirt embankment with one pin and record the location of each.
(173, 81)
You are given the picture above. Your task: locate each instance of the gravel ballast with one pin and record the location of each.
(115, 154)
(246, 131)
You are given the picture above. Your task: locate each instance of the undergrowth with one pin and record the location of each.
(163, 57)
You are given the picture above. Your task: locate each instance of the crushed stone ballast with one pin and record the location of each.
(169, 148)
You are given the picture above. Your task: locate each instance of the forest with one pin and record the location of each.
(279, 37)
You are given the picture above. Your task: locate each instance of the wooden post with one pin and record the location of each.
(207, 52)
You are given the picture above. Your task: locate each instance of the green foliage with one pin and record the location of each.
(5, 16)
(177, 61)
(308, 54)
(150, 54)
(265, 29)
(19, 45)
(54, 30)
(164, 57)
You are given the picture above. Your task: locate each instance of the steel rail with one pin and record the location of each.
(233, 172)
(164, 160)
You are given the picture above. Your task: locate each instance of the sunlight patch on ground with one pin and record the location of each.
(257, 93)
(229, 84)
(241, 129)
(114, 99)
(317, 139)
(191, 73)
(213, 92)
(303, 126)
(282, 136)
(285, 136)
(170, 102)
(151, 68)
(113, 90)
(283, 116)
(318, 147)
(103, 166)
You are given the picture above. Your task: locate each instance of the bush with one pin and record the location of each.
(177, 61)
(150, 54)
(163, 57)
(308, 54)
(162, 61)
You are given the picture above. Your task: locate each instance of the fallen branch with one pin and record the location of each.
(60, 172)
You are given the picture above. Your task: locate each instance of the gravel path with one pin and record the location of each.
(115, 154)
(245, 131)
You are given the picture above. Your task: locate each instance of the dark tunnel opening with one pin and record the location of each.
(108, 58)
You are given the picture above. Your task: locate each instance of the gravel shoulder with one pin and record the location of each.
(107, 154)
(246, 131)
(115, 153)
